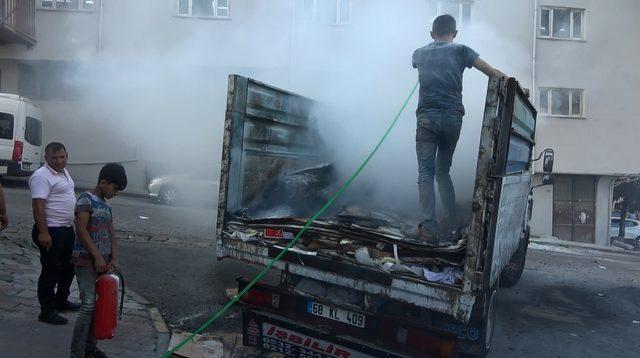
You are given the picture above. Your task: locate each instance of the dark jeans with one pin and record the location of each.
(57, 268)
(83, 339)
(437, 135)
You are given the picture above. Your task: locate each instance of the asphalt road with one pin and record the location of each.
(568, 303)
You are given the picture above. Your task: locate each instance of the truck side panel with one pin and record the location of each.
(513, 203)
(511, 173)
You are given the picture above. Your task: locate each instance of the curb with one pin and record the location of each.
(18, 182)
(163, 334)
(570, 245)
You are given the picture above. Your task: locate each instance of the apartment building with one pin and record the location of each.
(587, 87)
(163, 63)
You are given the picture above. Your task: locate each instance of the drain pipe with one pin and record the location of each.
(532, 93)
(292, 40)
(612, 187)
(100, 21)
(533, 51)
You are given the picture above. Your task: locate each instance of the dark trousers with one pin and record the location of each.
(436, 139)
(57, 268)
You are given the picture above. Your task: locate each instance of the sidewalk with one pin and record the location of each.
(138, 334)
(582, 246)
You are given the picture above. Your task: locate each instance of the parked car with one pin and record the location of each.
(631, 228)
(20, 136)
(199, 186)
(616, 214)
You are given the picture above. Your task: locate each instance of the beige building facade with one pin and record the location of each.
(144, 82)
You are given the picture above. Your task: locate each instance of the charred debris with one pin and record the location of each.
(274, 214)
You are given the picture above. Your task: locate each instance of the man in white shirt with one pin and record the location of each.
(53, 203)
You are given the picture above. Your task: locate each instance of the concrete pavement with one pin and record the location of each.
(584, 247)
(21, 334)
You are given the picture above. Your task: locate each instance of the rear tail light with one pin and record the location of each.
(262, 298)
(425, 341)
(17, 151)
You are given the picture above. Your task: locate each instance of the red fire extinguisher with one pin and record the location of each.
(106, 309)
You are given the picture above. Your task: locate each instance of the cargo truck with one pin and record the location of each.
(359, 287)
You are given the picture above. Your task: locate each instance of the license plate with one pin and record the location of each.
(336, 314)
(295, 344)
(3, 169)
(288, 349)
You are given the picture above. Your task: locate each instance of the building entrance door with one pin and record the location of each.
(574, 204)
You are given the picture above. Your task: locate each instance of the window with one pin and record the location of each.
(27, 81)
(33, 131)
(328, 12)
(49, 80)
(627, 223)
(459, 9)
(67, 4)
(204, 8)
(562, 23)
(522, 126)
(562, 102)
(6, 126)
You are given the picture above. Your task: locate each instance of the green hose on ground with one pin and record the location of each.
(329, 202)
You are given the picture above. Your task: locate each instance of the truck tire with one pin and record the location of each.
(488, 320)
(513, 271)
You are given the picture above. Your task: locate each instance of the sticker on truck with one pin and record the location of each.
(336, 314)
(294, 344)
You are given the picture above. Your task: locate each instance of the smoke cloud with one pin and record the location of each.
(169, 103)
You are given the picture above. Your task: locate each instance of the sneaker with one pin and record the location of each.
(421, 234)
(52, 318)
(95, 353)
(68, 306)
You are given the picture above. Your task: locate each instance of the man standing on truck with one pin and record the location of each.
(440, 67)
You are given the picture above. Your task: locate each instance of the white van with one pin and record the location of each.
(20, 136)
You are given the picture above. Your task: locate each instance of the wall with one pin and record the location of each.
(603, 209)
(542, 219)
(605, 65)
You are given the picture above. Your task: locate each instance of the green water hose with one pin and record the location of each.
(216, 316)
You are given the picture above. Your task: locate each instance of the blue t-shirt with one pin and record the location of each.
(440, 66)
(98, 228)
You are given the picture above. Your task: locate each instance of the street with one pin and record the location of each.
(568, 303)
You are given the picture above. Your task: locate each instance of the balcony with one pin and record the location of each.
(18, 22)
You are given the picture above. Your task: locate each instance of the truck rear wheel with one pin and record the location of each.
(513, 271)
(487, 325)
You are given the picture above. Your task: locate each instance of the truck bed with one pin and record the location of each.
(274, 174)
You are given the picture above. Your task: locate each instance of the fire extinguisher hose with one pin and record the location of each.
(122, 295)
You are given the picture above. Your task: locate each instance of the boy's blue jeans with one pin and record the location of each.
(437, 135)
(82, 333)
